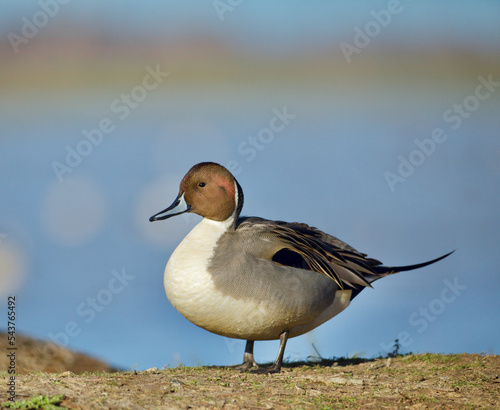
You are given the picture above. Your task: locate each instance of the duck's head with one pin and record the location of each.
(209, 190)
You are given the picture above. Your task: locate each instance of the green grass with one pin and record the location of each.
(432, 358)
(36, 402)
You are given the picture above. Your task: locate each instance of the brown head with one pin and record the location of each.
(209, 190)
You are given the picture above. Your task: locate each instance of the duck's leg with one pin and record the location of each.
(276, 366)
(248, 360)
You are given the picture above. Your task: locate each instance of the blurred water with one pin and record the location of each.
(326, 168)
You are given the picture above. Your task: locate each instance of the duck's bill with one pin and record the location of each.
(178, 207)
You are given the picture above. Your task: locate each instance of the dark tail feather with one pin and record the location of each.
(387, 270)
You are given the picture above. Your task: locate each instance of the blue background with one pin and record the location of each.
(62, 238)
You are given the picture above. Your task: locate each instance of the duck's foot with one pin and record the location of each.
(267, 370)
(248, 360)
(244, 367)
(276, 366)
(250, 364)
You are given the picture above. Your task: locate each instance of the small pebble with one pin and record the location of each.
(151, 370)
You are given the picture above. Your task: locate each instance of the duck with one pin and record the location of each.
(256, 279)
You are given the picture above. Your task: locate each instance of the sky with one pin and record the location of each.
(392, 150)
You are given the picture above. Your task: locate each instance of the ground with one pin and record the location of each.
(412, 381)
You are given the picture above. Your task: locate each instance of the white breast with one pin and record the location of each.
(191, 291)
(186, 279)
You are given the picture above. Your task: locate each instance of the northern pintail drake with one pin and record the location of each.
(255, 279)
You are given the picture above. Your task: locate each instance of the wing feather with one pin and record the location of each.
(318, 252)
(322, 253)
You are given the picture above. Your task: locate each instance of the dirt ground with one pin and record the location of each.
(413, 381)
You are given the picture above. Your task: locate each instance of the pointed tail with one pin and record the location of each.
(388, 270)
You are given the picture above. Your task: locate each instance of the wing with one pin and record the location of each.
(301, 246)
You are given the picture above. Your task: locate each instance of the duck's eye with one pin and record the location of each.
(201, 184)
